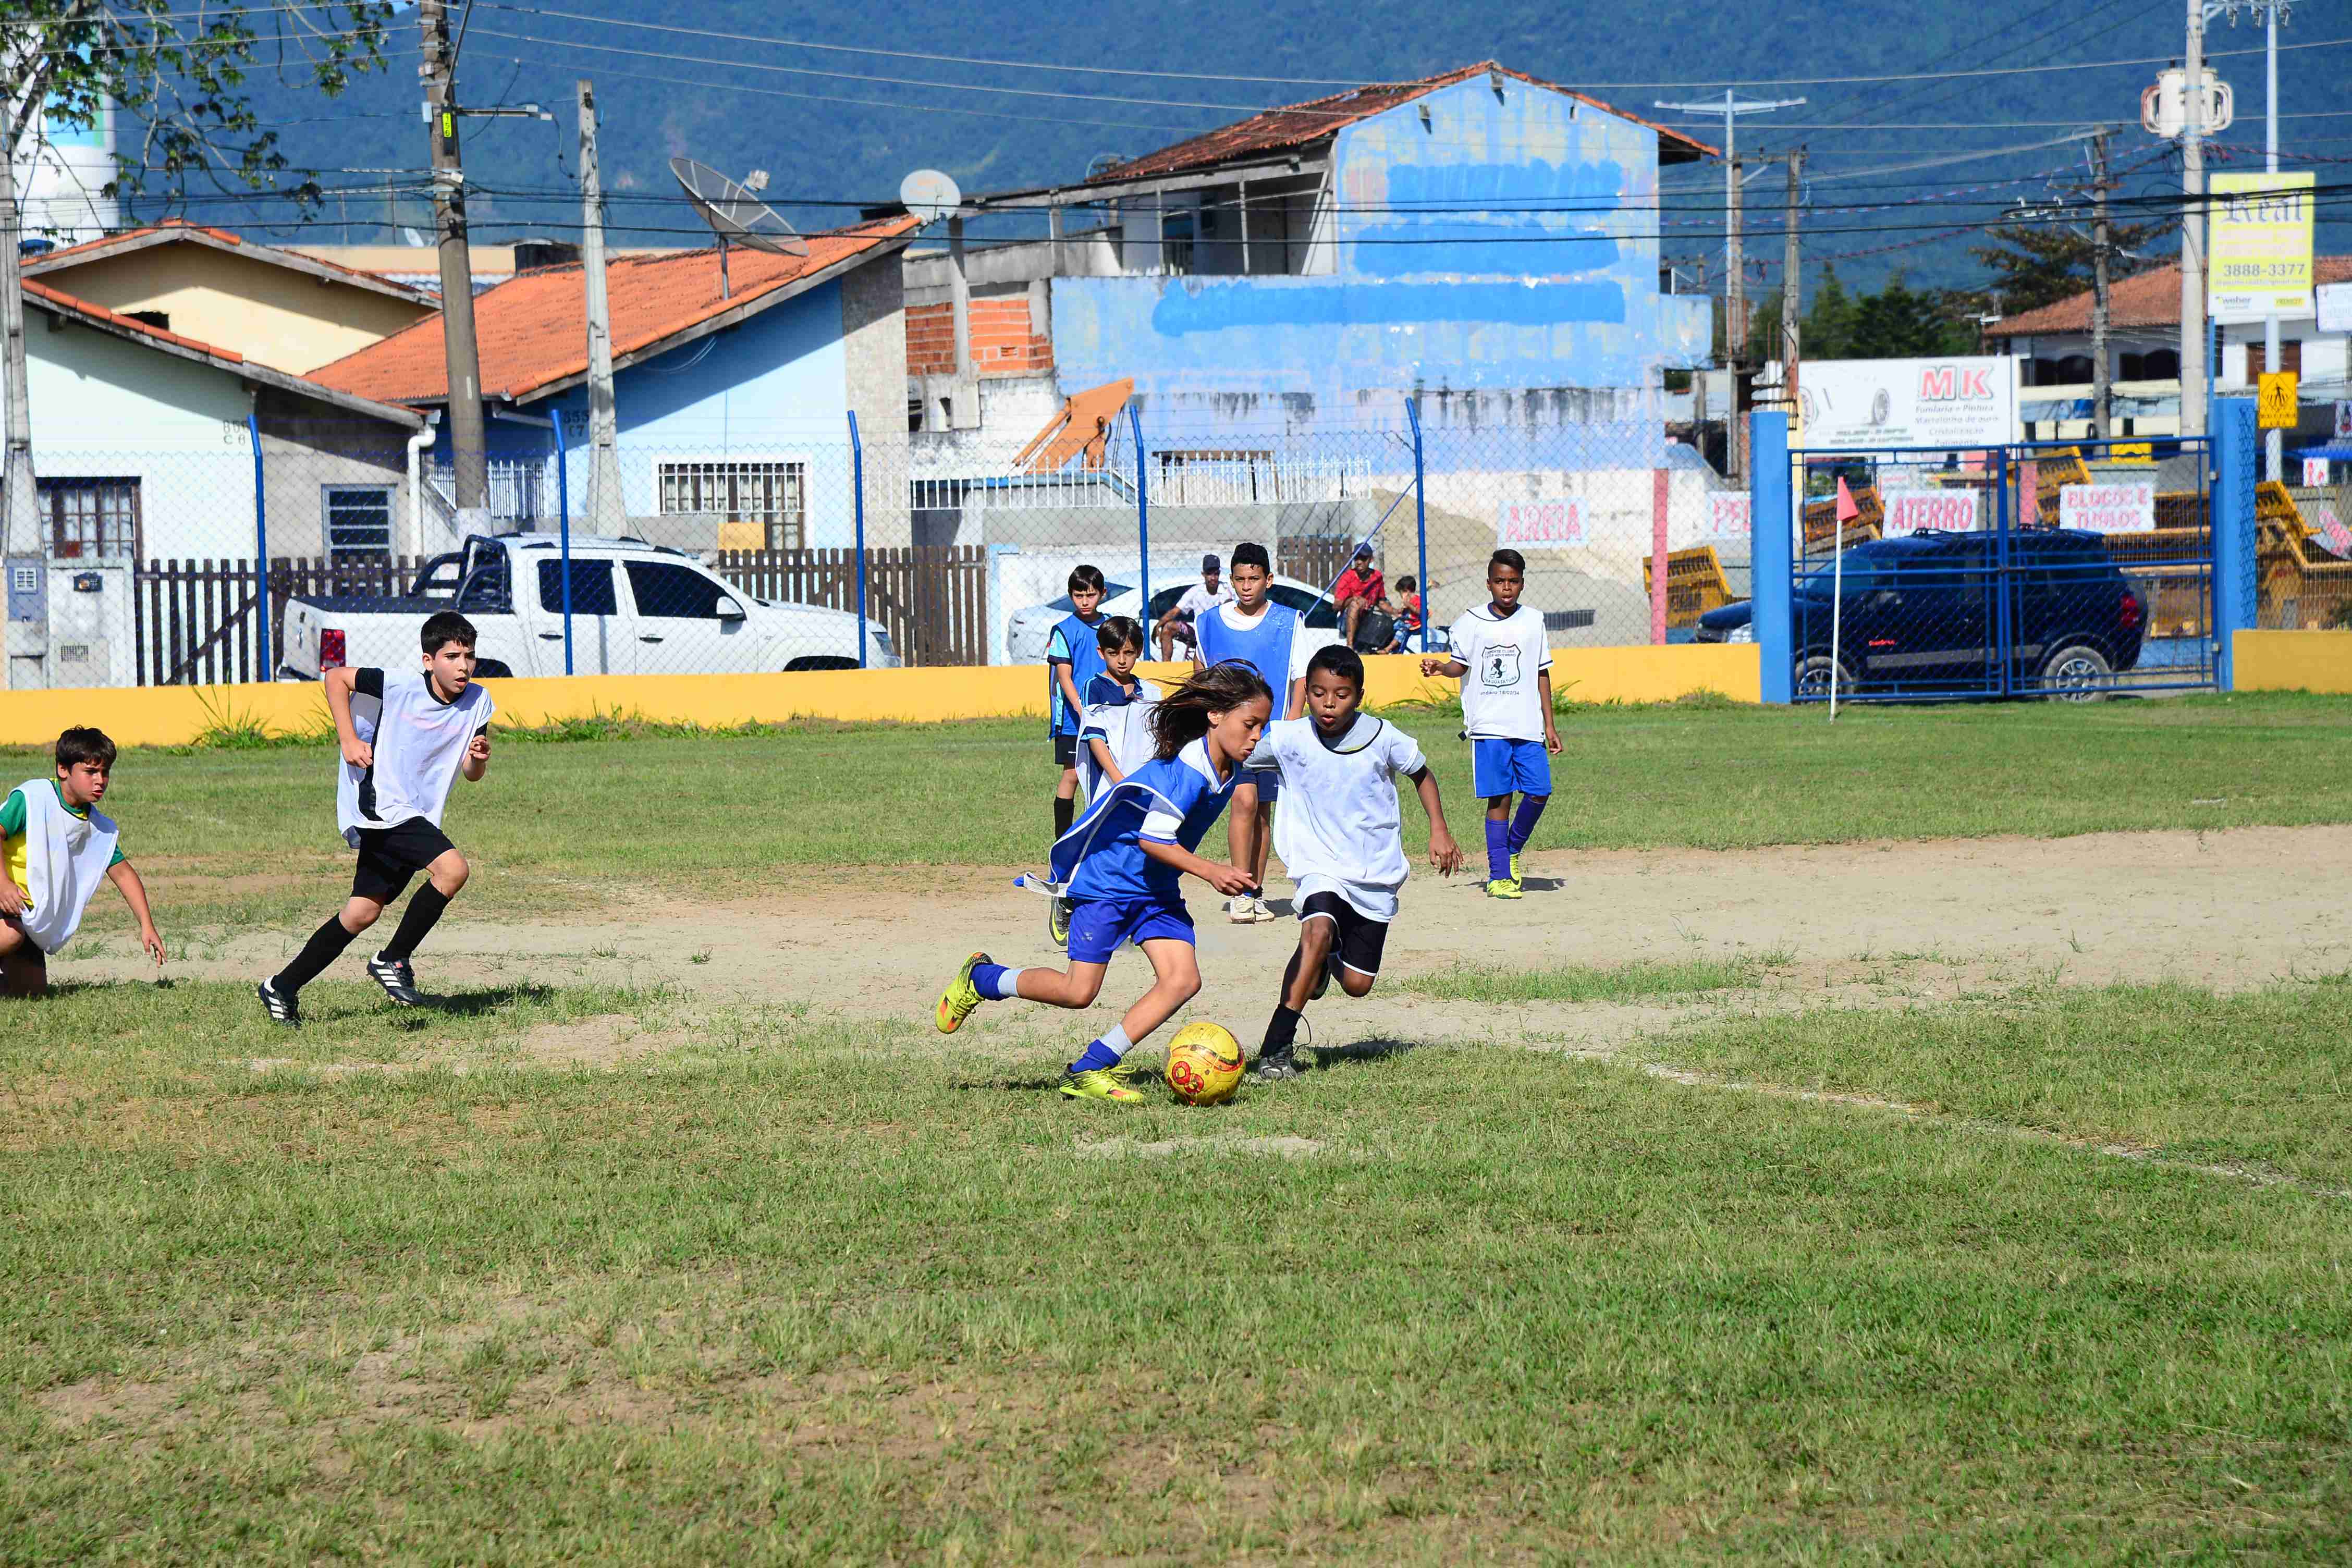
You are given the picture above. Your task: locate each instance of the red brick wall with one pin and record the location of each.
(930, 340)
(1001, 341)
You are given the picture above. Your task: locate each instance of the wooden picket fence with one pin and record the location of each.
(193, 621)
(933, 599)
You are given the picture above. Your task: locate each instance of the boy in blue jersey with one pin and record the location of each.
(1503, 657)
(1071, 660)
(1267, 637)
(1122, 866)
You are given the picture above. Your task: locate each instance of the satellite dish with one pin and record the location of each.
(930, 194)
(735, 215)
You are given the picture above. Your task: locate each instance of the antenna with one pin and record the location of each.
(735, 215)
(930, 194)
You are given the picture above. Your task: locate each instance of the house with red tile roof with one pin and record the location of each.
(2144, 358)
(279, 307)
(733, 390)
(145, 455)
(1480, 238)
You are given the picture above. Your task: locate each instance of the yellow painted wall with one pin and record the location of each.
(283, 318)
(175, 715)
(2292, 661)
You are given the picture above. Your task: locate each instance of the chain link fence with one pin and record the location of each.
(291, 547)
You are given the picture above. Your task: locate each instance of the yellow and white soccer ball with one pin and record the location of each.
(1204, 1064)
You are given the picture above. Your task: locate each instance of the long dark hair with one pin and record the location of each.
(1183, 716)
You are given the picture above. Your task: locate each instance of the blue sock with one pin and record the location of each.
(994, 980)
(1523, 826)
(1105, 1052)
(1498, 851)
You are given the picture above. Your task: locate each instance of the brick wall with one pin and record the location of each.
(930, 340)
(1003, 342)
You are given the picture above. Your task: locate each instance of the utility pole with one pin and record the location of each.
(2102, 386)
(1735, 329)
(2273, 441)
(20, 509)
(1791, 294)
(461, 354)
(2192, 228)
(606, 514)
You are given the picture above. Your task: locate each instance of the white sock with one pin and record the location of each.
(1115, 1038)
(1008, 985)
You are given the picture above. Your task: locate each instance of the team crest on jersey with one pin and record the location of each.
(1501, 665)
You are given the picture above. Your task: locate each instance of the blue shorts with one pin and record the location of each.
(1268, 781)
(1100, 927)
(1504, 767)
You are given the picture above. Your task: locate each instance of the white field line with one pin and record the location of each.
(1690, 1079)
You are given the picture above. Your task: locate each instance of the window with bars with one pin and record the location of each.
(91, 517)
(359, 521)
(771, 494)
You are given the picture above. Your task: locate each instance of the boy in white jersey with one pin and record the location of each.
(406, 738)
(1503, 657)
(1342, 838)
(1115, 737)
(59, 846)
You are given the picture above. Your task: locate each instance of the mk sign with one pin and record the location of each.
(1949, 383)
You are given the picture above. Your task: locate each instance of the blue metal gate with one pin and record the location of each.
(2061, 569)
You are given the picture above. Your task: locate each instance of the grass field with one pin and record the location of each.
(241, 839)
(794, 1294)
(1812, 1268)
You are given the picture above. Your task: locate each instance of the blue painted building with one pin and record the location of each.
(1482, 240)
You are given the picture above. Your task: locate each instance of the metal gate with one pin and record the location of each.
(2065, 568)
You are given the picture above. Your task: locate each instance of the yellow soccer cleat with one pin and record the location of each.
(960, 999)
(1499, 889)
(1098, 1083)
(1516, 875)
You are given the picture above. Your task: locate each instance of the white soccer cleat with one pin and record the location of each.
(1237, 910)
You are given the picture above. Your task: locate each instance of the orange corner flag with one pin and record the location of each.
(1847, 509)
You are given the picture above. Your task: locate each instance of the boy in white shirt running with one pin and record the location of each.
(1503, 657)
(407, 740)
(1340, 836)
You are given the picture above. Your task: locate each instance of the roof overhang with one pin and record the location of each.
(1281, 166)
(42, 297)
(733, 316)
(268, 256)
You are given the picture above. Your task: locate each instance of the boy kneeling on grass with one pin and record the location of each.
(60, 848)
(407, 738)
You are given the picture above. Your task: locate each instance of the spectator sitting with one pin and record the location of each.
(1176, 625)
(1359, 588)
(1408, 613)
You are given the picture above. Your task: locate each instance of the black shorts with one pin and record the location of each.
(1357, 937)
(1066, 750)
(390, 857)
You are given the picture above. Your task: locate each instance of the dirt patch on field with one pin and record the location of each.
(1898, 922)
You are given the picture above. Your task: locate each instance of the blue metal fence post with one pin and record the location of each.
(260, 551)
(563, 532)
(2235, 443)
(1420, 517)
(857, 504)
(1142, 519)
(1771, 549)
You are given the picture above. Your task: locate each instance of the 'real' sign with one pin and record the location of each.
(2125, 507)
(1947, 404)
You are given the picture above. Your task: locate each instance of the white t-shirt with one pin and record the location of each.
(1499, 700)
(420, 744)
(1339, 828)
(1198, 598)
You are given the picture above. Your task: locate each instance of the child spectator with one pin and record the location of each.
(1071, 660)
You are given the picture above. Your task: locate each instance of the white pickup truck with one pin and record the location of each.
(637, 609)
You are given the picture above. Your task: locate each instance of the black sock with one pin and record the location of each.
(325, 946)
(1281, 1030)
(1064, 808)
(417, 922)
